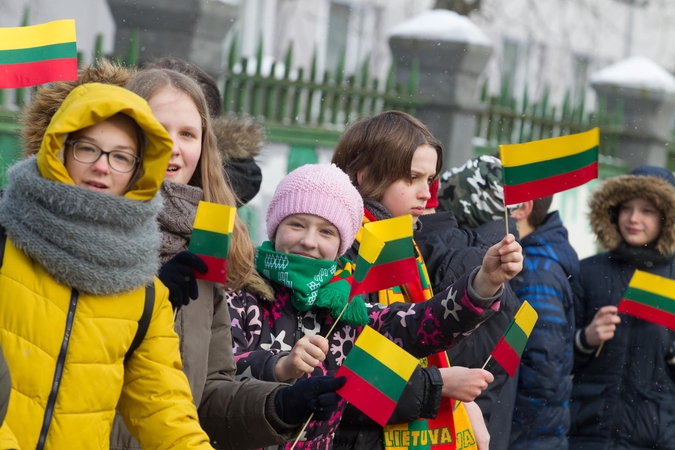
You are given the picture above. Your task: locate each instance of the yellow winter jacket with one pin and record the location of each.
(66, 349)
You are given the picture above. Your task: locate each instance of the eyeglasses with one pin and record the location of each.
(88, 153)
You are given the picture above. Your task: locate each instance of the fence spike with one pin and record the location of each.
(313, 69)
(288, 61)
(25, 16)
(340, 69)
(259, 55)
(365, 72)
(233, 56)
(98, 50)
(133, 50)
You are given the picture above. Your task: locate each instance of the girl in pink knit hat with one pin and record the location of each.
(312, 220)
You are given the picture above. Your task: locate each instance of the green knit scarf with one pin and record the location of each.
(313, 282)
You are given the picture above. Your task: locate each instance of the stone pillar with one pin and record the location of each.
(647, 92)
(452, 53)
(192, 30)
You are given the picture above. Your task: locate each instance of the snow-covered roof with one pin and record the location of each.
(636, 72)
(442, 25)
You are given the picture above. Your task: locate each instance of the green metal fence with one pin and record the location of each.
(307, 108)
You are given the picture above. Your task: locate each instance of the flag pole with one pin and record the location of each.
(597, 352)
(302, 430)
(506, 221)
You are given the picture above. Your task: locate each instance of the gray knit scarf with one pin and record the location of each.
(177, 217)
(96, 243)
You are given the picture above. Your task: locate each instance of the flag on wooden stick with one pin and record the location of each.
(386, 256)
(38, 54)
(211, 236)
(541, 168)
(510, 347)
(377, 371)
(651, 298)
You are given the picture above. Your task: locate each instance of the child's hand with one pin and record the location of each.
(502, 262)
(306, 354)
(603, 326)
(478, 424)
(464, 384)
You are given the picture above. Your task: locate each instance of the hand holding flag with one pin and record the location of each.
(501, 262)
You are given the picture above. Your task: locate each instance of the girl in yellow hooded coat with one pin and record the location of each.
(77, 274)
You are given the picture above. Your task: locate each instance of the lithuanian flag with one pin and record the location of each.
(541, 168)
(651, 298)
(377, 371)
(510, 347)
(386, 256)
(211, 237)
(38, 54)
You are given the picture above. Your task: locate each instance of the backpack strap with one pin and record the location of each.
(143, 322)
(3, 239)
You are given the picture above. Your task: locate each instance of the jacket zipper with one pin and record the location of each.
(618, 409)
(60, 362)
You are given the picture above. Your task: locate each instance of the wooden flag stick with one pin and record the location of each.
(506, 220)
(597, 352)
(486, 362)
(302, 430)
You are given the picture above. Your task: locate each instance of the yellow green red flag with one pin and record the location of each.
(541, 168)
(211, 236)
(377, 371)
(510, 347)
(386, 256)
(38, 54)
(650, 297)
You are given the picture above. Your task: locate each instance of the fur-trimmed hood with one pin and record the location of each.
(238, 137)
(614, 191)
(240, 140)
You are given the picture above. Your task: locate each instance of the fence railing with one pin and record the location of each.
(308, 107)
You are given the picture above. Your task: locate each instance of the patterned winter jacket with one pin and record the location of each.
(262, 331)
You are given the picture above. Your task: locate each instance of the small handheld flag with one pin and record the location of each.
(211, 236)
(38, 54)
(386, 256)
(651, 298)
(541, 168)
(510, 347)
(377, 371)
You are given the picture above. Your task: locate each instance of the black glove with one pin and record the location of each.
(177, 275)
(295, 403)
